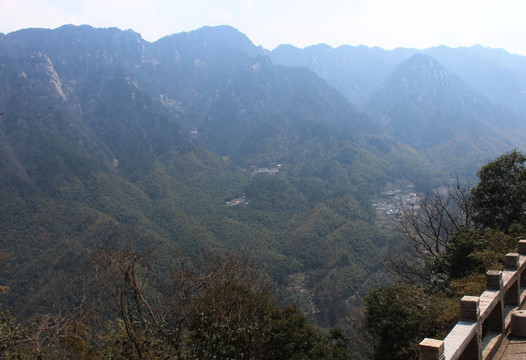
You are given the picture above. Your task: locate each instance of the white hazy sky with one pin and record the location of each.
(384, 23)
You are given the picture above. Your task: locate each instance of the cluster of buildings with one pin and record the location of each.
(236, 201)
(391, 202)
(272, 169)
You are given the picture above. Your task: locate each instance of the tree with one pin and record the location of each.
(499, 199)
(458, 260)
(3, 258)
(428, 229)
(398, 317)
(447, 250)
(47, 336)
(121, 273)
(154, 314)
(470, 252)
(215, 308)
(230, 322)
(236, 322)
(395, 317)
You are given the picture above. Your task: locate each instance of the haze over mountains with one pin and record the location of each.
(463, 104)
(108, 138)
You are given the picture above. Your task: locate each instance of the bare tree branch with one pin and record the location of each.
(427, 229)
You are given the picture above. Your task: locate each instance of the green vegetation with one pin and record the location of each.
(400, 316)
(142, 142)
(107, 139)
(499, 198)
(478, 228)
(208, 308)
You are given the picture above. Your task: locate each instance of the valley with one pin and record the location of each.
(204, 142)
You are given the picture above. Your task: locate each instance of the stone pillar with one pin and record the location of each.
(522, 252)
(495, 320)
(511, 261)
(522, 247)
(469, 306)
(431, 349)
(470, 311)
(494, 280)
(512, 296)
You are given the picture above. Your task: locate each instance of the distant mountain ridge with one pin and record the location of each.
(439, 96)
(476, 66)
(354, 71)
(431, 109)
(467, 104)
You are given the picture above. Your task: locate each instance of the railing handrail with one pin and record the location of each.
(485, 319)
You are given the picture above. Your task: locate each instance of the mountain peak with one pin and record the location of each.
(421, 72)
(427, 106)
(219, 38)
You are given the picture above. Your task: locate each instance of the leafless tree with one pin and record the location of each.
(123, 274)
(156, 312)
(58, 335)
(427, 229)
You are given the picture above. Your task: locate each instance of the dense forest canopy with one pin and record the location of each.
(202, 143)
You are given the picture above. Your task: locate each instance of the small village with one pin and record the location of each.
(236, 201)
(267, 169)
(396, 197)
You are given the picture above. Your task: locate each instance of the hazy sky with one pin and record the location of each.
(384, 23)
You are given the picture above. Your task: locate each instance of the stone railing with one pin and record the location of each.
(485, 320)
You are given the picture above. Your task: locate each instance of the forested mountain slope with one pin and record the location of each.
(107, 138)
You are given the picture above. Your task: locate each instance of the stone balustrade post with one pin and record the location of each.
(495, 320)
(512, 296)
(511, 261)
(522, 247)
(494, 280)
(431, 349)
(522, 252)
(470, 311)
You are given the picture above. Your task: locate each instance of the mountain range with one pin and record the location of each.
(463, 104)
(108, 138)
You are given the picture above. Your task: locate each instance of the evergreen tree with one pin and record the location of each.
(499, 200)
